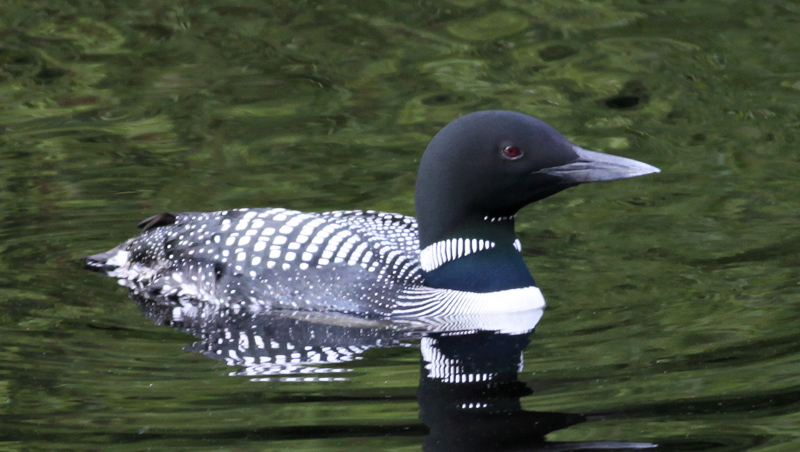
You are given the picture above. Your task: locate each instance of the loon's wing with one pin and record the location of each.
(350, 261)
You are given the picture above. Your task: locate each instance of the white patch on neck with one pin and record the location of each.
(436, 254)
(518, 245)
(499, 219)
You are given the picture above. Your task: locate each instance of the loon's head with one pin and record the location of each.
(482, 168)
(493, 163)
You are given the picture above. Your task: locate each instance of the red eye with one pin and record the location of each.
(511, 152)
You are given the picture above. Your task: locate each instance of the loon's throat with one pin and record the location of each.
(496, 268)
(484, 256)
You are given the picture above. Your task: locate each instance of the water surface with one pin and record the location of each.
(673, 298)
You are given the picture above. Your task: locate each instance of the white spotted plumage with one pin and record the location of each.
(364, 262)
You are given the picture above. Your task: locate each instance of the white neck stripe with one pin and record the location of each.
(498, 219)
(436, 254)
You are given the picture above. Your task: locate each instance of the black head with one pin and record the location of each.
(493, 163)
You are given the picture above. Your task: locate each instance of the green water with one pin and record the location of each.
(673, 299)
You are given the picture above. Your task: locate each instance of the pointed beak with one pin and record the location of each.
(596, 167)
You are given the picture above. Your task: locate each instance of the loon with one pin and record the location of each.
(459, 256)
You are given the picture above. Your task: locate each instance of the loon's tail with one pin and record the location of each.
(99, 262)
(119, 256)
(108, 261)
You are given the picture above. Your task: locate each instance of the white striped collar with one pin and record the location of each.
(499, 219)
(443, 251)
(436, 254)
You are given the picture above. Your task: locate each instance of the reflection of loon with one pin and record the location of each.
(460, 256)
(279, 345)
(304, 345)
(469, 392)
(469, 397)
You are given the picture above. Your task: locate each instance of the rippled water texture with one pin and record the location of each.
(673, 299)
